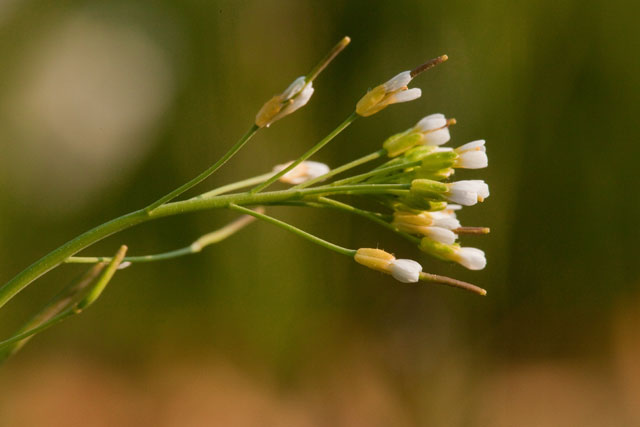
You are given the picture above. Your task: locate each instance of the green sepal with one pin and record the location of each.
(439, 250)
(401, 142)
(428, 188)
(440, 160)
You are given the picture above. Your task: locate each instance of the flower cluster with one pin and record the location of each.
(429, 208)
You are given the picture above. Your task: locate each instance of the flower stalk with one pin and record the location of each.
(412, 196)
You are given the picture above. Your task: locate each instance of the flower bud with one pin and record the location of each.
(376, 259)
(428, 188)
(432, 130)
(303, 172)
(392, 92)
(294, 97)
(472, 155)
(435, 129)
(406, 270)
(471, 258)
(467, 193)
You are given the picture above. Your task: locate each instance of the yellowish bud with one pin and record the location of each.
(370, 103)
(270, 110)
(376, 259)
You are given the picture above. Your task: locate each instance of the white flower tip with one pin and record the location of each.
(441, 234)
(405, 270)
(407, 95)
(398, 82)
(472, 146)
(124, 265)
(294, 88)
(471, 258)
(472, 160)
(468, 193)
(303, 172)
(431, 122)
(298, 102)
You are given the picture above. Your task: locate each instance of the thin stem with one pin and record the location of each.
(308, 154)
(429, 64)
(206, 173)
(359, 178)
(372, 216)
(56, 257)
(195, 247)
(472, 230)
(26, 334)
(61, 301)
(72, 300)
(327, 59)
(236, 186)
(444, 280)
(295, 230)
(362, 160)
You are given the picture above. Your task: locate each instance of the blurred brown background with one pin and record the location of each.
(106, 105)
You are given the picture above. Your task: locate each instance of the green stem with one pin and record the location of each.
(56, 257)
(308, 154)
(295, 230)
(193, 248)
(72, 300)
(333, 172)
(205, 174)
(359, 178)
(26, 334)
(372, 216)
(236, 186)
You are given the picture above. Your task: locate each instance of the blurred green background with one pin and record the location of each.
(106, 105)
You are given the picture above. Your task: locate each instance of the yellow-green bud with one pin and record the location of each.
(428, 188)
(401, 142)
(439, 250)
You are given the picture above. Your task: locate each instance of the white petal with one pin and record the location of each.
(472, 258)
(406, 270)
(316, 169)
(468, 193)
(462, 194)
(294, 88)
(453, 207)
(441, 235)
(298, 102)
(407, 95)
(437, 137)
(445, 220)
(398, 82)
(431, 122)
(472, 146)
(124, 265)
(472, 160)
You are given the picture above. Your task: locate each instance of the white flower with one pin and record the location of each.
(472, 155)
(406, 270)
(398, 82)
(445, 219)
(440, 234)
(393, 91)
(469, 192)
(294, 97)
(435, 129)
(303, 172)
(407, 95)
(472, 258)
(299, 101)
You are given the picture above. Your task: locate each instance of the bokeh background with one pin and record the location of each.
(106, 105)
